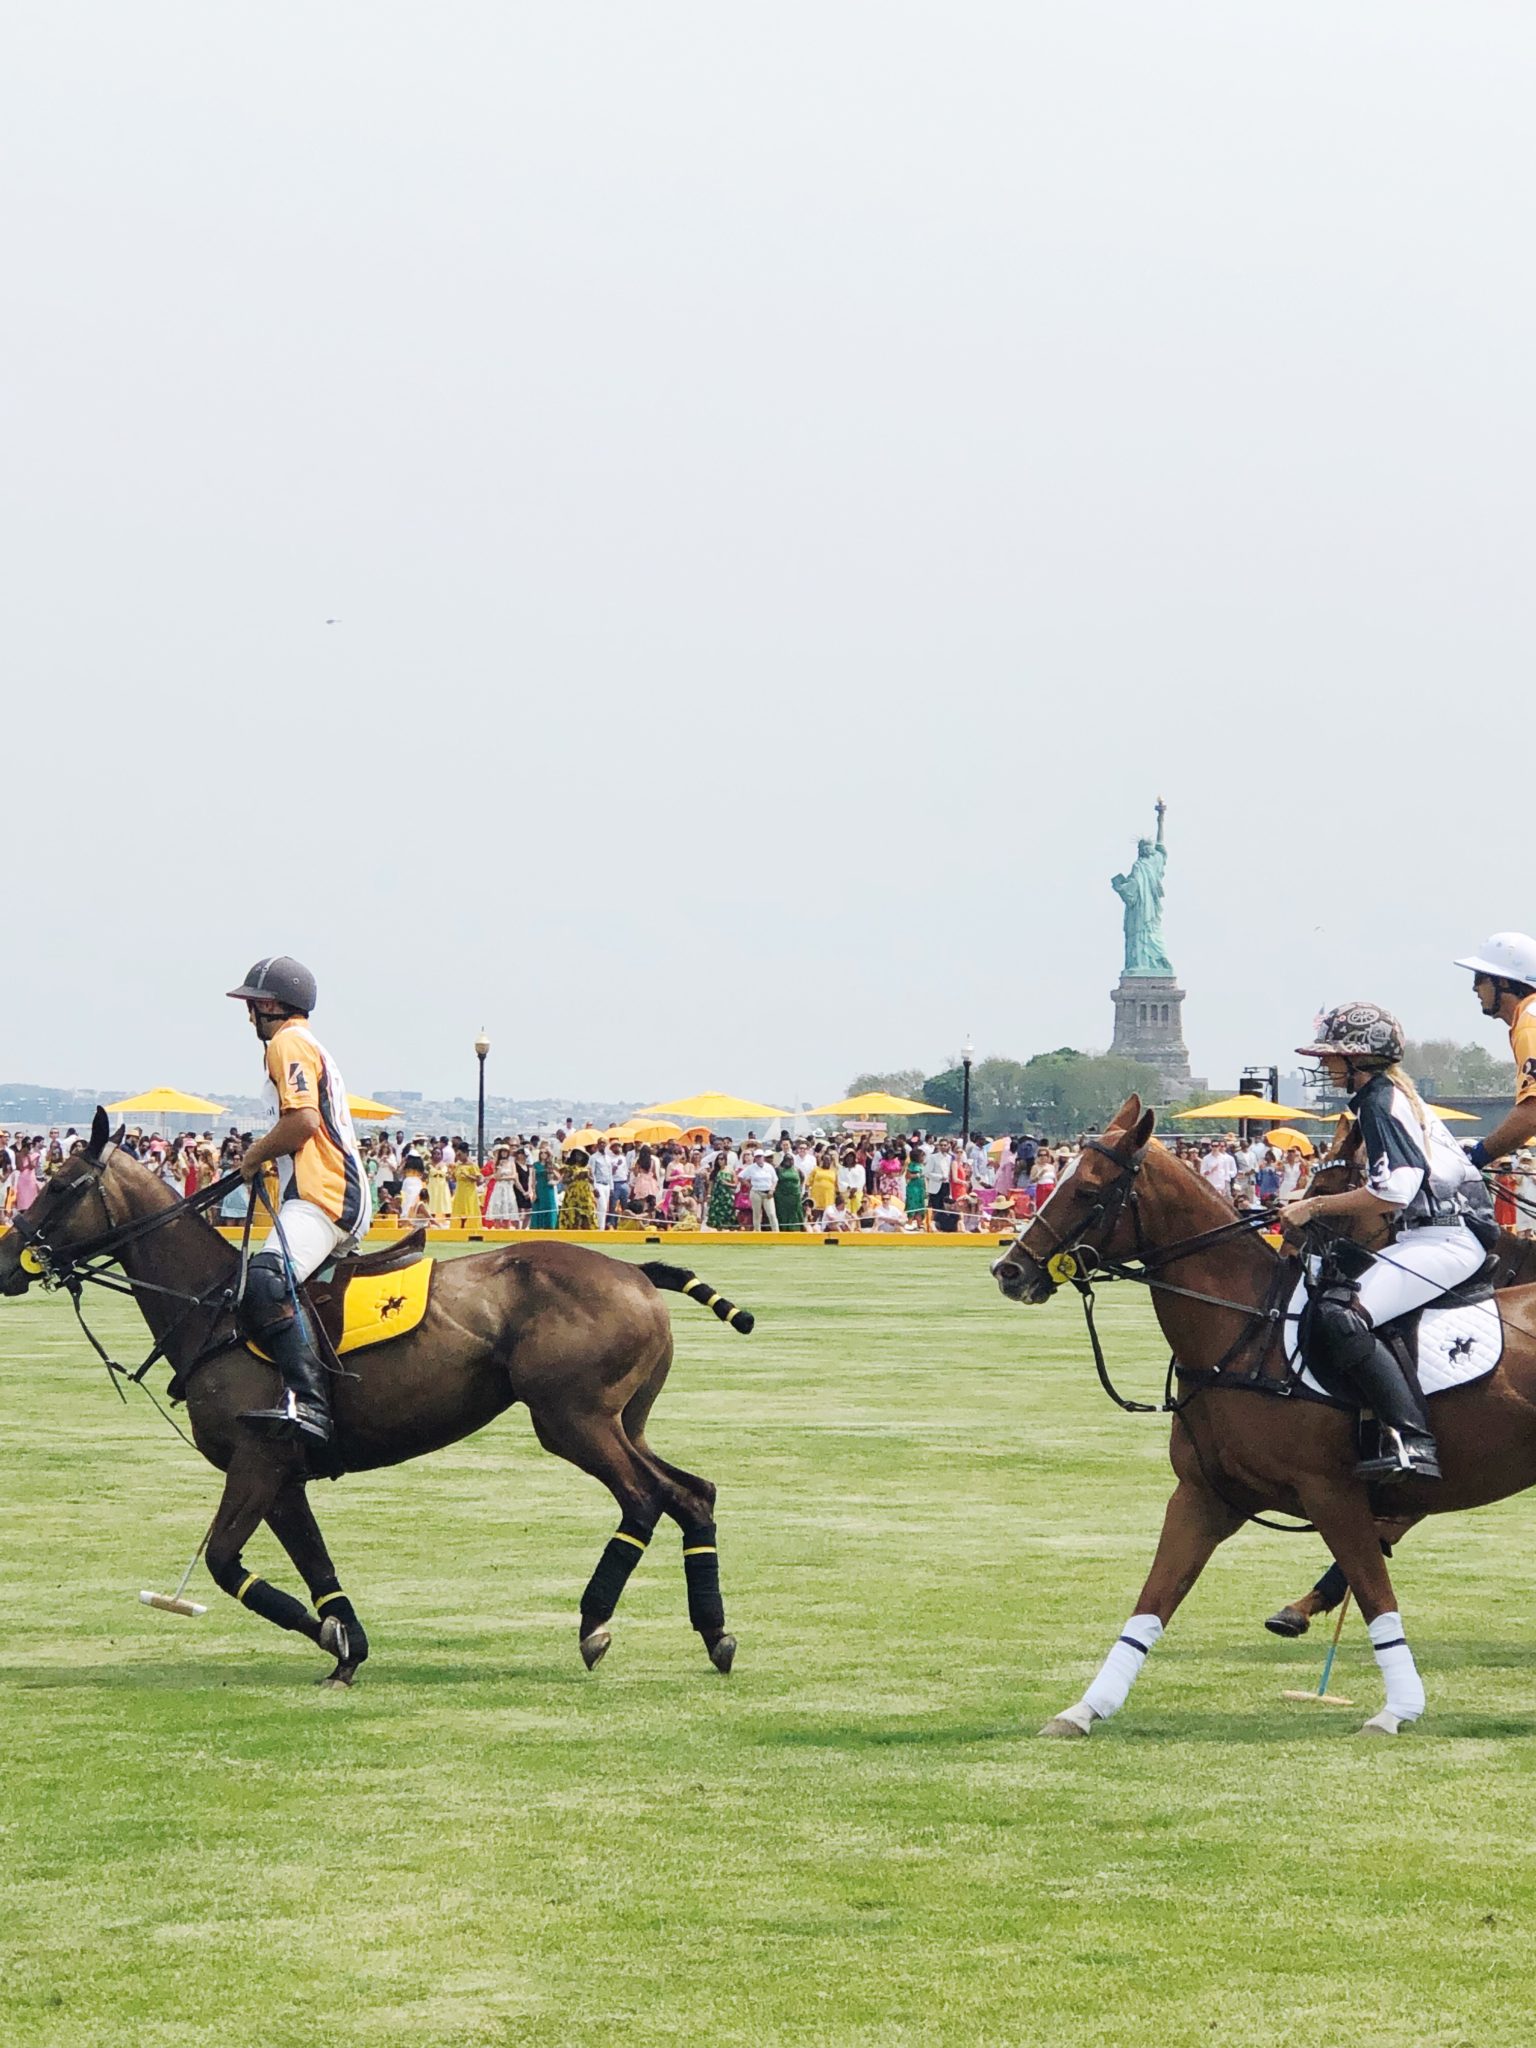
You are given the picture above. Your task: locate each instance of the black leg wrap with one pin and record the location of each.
(620, 1556)
(701, 1568)
(1331, 1588)
(268, 1601)
(330, 1600)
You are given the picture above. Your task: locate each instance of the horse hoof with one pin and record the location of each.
(722, 1653)
(1063, 1724)
(1384, 1723)
(594, 1647)
(339, 1680)
(1290, 1621)
(333, 1640)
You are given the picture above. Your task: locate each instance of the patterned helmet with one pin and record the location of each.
(1364, 1031)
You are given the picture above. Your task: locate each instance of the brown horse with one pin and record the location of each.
(584, 1340)
(1241, 1442)
(1341, 1169)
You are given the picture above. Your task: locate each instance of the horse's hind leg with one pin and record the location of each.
(292, 1522)
(251, 1486)
(690, 1502)
(1195, 1522)
(597, 1444)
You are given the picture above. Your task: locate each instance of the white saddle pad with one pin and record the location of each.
(1456, 1344)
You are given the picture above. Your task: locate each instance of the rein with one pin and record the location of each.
(71, 1266)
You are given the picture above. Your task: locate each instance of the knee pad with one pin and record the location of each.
(1341, 1332)
(267, 1299)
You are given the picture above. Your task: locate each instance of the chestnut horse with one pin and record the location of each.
(583, 1339)
(1243, 1441)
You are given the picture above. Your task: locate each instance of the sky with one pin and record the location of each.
(693, 536)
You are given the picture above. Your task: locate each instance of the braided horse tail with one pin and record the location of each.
(678, 1280)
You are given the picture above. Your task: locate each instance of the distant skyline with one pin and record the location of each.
(694, 538)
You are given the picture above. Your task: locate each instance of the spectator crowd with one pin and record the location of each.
(860, 1182)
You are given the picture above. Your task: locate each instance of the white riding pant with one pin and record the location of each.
(309, 1237)
(1417, 1267)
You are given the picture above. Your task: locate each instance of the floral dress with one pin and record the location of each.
(578, 1205)
(722, 1201)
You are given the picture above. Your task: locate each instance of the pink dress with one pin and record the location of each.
(26, 1183)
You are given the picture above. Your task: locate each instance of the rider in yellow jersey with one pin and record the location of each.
(324, 1192)
(1504, 982)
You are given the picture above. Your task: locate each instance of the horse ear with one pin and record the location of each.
(117, 1135)
(1141, 1137)
(1126, 1114)
(101, 1130)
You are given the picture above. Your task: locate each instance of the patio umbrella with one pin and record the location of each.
(712, 1109)
(876, 1104)
(1452, 1116)
(1253, 1108)
(165, 1102)
(1283, 1139)
(366, 1110)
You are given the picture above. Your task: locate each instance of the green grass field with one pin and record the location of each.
(932, 1524)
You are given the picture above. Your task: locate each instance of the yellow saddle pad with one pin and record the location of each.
(384, 1305)
(379, 1306)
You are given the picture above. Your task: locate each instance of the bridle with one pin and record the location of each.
(88, 1261)
(1076, 1262)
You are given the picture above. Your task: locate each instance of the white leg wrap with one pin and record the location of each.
(1121, 1668)
(1394, 1659)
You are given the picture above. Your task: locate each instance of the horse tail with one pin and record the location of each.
(678, 1280)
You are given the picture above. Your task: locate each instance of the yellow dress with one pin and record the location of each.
(439, 1200)
(466, 1193)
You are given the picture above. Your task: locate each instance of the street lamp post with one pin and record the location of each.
(482, 1047)
(967, 1056)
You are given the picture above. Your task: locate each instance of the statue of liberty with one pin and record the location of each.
(1141, 891)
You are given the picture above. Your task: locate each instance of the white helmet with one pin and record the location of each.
(1507, 956)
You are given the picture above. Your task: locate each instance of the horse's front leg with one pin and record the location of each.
(257, 1474)
(1341, 1512)
(292, 1521)
(1195, 1522)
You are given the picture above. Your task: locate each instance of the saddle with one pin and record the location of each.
(370, 1297)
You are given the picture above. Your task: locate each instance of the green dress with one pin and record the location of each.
(722, 1203)
(917, 1188)
(789, 1197)
(542, 1215)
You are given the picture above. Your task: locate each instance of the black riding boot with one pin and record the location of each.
(305, 1407)
(1407, 1442)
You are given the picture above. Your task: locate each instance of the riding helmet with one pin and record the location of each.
(281, 980)
(1363, 1031)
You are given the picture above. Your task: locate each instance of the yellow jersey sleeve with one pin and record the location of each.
(1522, 1043)
(294, 1070)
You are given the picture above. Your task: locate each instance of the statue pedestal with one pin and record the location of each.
(1149, 1026)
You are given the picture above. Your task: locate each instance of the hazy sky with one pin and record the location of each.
(792, 485)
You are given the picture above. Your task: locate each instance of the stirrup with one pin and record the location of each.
(289, 1420)
(1402, 1457)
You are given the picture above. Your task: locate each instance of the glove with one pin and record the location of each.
(1479, 1155)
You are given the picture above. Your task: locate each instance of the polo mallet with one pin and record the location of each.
(1323, 1697)
(173, 1603)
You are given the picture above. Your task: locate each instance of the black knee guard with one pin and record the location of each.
(269, 1602)
(622, 1553)
(268, 1299)
(701, 1568)
(1331, 1588)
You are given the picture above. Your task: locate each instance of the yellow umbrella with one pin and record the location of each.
(1454, 1116)
(165, 1102)
(876, 1104)
(586, 1137)
(653, 1133)
(369, 1111)
(1285, 1138)
(1253, 1107)
(713, 1109)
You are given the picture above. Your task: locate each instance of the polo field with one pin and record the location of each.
(931, 1523)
